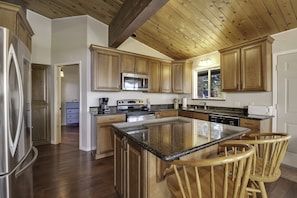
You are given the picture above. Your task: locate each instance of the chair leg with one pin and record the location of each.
(263, 190)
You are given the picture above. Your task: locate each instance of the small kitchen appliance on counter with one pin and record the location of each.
(103, 105)
(176, 103)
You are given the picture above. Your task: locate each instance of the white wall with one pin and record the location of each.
(42, 38)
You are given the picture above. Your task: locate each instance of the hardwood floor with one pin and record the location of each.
(62, 171)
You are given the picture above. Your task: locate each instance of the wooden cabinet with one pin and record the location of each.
(257, 126)
(129, 168)
(154, 76)
(14, 18)
(104, 135)
(72, 113)
(166, 113)
(247, 67)
(182, 77)
(134, 64)
(200, 116)
(105, 69)
(165, 77)
(188, 114)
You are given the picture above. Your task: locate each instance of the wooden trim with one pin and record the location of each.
(131, 16)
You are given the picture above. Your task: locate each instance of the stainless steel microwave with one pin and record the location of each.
(135, 82)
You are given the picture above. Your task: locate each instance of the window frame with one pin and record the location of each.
(195, 84)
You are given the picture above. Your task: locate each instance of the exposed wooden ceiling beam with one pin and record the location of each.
(131, 16)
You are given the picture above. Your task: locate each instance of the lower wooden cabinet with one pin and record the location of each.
(188, 114)
(104, 135)
(257, 126)
(128, 169)
(166, 113)
(137, 172)
(200, 116)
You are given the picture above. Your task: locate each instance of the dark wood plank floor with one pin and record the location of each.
(62, 171)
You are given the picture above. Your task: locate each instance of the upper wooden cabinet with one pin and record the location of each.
(165, 77)
(247, 67)
(154, 76)
(134, 64)
(105, 69)
(13, 18)
(182, 77)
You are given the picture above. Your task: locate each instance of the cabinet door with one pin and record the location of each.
(200, 116)
(119, 166)
(134, 171)
(187, 114)
(154, 76)
(230, 70)
(177, 77)
(164, 114)
(141, 66)
(104, 139)
(166, 77)
(127, 63)
(252, 67)
(105, 71)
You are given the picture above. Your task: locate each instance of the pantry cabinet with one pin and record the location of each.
(105, 69)
(248, 66)
(182, 77)
(134, 64)
(13, 17)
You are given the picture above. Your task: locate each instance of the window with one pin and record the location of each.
(207, 84)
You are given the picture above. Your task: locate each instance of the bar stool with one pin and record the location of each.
(224, 175)
(270, 151)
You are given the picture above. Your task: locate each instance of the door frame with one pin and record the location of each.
(274, 96)
(56, 136)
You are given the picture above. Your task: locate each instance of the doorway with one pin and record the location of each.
(286, 103)
(67, 104)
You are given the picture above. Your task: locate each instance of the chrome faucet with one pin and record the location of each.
(204, 104)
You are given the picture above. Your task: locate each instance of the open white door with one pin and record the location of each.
(286, 103)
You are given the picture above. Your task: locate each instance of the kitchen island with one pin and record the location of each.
(143, 149)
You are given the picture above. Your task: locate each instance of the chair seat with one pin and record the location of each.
(266, 176)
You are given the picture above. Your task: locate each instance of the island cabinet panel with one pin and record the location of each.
(105, 70)
(138, 173)
(247, 67)
(154, 76)
(134, 64)
(104, 134)
(182, 77)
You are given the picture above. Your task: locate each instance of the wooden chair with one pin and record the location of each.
(270, 151)
(224, 175)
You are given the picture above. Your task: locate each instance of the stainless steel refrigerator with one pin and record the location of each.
(16, 148)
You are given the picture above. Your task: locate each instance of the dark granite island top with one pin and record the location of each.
(171, 138)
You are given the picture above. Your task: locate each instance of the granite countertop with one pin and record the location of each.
(171, 138)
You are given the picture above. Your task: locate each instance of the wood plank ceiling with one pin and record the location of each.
(183, 29)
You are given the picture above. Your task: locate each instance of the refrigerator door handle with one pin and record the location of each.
(19, 172)
(13, 143)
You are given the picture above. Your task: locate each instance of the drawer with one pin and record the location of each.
(72, 121)
(72, 111)
(72, 105)
(72, 115)
(111, 119)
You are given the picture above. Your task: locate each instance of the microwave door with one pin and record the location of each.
(129, 83)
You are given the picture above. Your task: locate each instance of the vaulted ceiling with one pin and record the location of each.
(180, 29)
